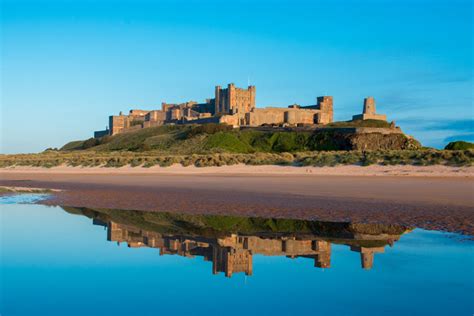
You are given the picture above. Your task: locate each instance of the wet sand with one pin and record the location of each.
(441, 199)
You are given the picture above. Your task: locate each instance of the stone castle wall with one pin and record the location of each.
(320, 113)
(236, 107)
(278, 116)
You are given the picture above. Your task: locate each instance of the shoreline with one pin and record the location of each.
(261, 170)
(434, 197)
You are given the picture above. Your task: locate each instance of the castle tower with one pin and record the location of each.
(369, 106)
(368, 112)
(325, 105)
(230, 260)
(233, 100)
(367, 255)
(323, 258)
(115, 232)
(217, 100)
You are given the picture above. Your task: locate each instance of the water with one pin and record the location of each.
(73, 261)
(26, 198)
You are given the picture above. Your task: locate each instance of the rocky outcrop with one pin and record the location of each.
(363, 139)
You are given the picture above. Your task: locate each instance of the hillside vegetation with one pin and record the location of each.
(89, 158)
(218, 138)
(459, 145)
(218, 225)
(220, 145)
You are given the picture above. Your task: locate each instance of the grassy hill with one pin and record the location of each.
(218, 138)
(459, 145)
(220, 145)
(212, 226)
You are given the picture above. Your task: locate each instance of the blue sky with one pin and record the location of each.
(67, 65)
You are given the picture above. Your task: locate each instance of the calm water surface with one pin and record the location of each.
(73, 261)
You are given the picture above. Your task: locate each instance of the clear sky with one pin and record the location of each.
(68, 64)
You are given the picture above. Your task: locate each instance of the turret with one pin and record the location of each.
(369, 106)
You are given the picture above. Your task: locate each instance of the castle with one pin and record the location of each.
(233, 106)
(233, 253)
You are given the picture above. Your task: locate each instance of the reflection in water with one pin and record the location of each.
(25, 198)
(230, 242)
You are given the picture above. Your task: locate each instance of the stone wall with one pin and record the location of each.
(117, 123)
(147, 124)
(279, 116)
(155, 115)
(99, 134)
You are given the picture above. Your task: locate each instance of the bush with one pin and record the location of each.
(51, 149)
(325, 140)
(228, 142)
(459, 145)
(91, 142)
(289, 141)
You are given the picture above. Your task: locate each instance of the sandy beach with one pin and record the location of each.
(342, 170)
(435, 197)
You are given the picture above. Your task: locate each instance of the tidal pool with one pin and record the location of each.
(78, 261)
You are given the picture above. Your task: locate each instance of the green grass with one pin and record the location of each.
(302, 158)
(221, 145)
(74, 145)
(217, 225)
(360, 123)
(228, 142)
(219, 138)
(459, 145)
(7, 190)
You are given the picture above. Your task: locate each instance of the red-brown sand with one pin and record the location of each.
(436, 198)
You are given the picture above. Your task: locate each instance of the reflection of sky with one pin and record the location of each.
(54, 262)
(80, 61)
(22, 198)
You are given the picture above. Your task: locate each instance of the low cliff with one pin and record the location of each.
(363, 139)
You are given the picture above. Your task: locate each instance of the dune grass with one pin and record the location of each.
(89, 158)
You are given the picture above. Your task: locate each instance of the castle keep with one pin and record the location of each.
(233, 106)
(234, 100)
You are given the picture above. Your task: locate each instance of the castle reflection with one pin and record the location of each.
(231, 242)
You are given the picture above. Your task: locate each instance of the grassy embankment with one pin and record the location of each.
(21, 190)
(218, 225)
(218, 145)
